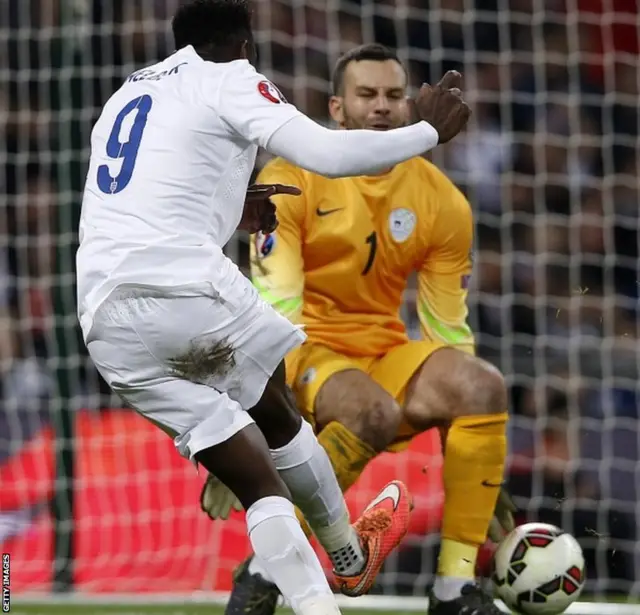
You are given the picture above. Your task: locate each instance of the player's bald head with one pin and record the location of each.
(217, 29)
(372, 52)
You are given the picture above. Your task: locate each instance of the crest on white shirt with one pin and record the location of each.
(271, 92)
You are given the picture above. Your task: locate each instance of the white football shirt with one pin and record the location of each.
(171, 158)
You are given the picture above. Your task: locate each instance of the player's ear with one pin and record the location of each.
(336, 110)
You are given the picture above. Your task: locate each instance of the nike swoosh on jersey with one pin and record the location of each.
(390, 491)
(326, 212)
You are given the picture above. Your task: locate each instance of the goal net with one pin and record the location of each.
(95, 498)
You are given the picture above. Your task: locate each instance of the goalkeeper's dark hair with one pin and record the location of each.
(371, 51)
(215, 28)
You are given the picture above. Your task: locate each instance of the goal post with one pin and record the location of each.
(96, 501)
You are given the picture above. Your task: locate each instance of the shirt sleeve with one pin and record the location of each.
(444, 277)
(250, 105)
(346, 153)
(277, 268)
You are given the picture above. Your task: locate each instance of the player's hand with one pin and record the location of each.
(443, 107)
(503, 521)
(259, 210)
(217, 500)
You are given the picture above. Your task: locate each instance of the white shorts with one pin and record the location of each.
(136, 339)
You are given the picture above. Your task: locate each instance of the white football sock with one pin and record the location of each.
(449, 588)
(305, 468)
(284, 552)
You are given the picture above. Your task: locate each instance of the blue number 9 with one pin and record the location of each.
(127, 151)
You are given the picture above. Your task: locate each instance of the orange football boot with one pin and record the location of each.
(381, 528)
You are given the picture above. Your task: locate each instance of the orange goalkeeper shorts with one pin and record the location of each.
(311, 365)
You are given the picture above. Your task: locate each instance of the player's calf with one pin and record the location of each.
(468, 395)
(356, 552)
(244, 464)
(306, 470)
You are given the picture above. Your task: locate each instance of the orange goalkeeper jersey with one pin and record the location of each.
(343, 252)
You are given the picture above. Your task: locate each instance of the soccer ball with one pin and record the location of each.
(538, 570)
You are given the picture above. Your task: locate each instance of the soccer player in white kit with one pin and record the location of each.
(175, 328)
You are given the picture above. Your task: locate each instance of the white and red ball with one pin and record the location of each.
(538, 569)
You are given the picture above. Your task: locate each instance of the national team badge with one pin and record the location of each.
(401, 224)
(265, 242)
(271, 92)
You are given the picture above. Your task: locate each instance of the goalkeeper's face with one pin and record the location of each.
(373, 96)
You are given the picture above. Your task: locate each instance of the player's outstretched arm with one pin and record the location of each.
(346, 153)
(252, 107)
(339, 153)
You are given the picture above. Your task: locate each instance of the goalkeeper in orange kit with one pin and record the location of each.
(338, 263)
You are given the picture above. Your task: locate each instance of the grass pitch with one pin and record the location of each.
(140, 609)
(621, 606)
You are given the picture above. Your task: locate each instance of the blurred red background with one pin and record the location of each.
(138, 522)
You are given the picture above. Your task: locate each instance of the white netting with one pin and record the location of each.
(551, 164)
